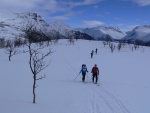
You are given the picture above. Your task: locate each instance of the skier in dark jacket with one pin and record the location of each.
(95, 72)
(96, 51)
(91, 55)
(83, 70)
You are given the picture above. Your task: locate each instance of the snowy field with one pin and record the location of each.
(124, 81)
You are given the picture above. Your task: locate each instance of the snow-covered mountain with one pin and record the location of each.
(67, 31)
(104, 32)
(13, 24)
(146, 38)
(61, 27)
(139, 33)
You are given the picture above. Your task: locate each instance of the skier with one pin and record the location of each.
(95, 72)
(96, 51)
(92, 55)
(83, 70)
(93, 51)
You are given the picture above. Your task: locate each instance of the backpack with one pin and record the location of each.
(95, 70)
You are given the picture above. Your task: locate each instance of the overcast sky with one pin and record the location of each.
(124, 14)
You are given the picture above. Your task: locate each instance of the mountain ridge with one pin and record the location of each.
(139, 33)
(12, 25)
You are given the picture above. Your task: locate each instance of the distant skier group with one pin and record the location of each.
(93, 52)
(94, 71)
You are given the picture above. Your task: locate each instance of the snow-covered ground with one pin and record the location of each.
(124, 81)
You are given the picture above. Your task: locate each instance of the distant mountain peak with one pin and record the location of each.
(60, 26)
(113, 28)
(139, 33)
(102, 32)
(12, 24)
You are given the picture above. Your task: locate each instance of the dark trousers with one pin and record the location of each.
(83, 76)
(95, 76)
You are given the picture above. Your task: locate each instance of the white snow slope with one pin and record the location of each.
(124, 81)
(103, 31)
(61, 27)
(140, 32)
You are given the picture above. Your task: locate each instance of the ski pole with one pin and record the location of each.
(76, 77)
(87, 77)
(98, 78)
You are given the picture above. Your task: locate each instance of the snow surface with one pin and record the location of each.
(124, 81)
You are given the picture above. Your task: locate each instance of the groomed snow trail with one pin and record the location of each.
(103, 101)
(100, 100)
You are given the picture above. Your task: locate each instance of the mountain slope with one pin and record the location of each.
(67, 31)
(146, 38)
(103, 32)
(139, 33)
(13, 24)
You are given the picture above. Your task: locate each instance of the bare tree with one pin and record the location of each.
(71, 40)
(119, 46)
(135, 46)
(104, 43)
(37, 61)
(56, 37)
(10, 49)
(18, 42)
(2, 42)
(35, 34)
(37, 64)
(112, 47)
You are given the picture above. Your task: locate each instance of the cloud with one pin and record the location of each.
(60, 18)
(65, 16)
(92, 23)
(81, 3)
(46, 5)
(19, 4)
(33, 5)
(140, 2)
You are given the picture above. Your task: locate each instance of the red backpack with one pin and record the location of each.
(95, 70)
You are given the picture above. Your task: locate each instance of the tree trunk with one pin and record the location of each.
(9, 56)
(34, 83)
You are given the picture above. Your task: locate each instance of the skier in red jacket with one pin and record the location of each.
(95, 72)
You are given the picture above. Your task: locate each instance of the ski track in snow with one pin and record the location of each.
(105, 100)
(101, 100)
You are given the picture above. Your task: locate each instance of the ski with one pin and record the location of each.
(97, 84)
